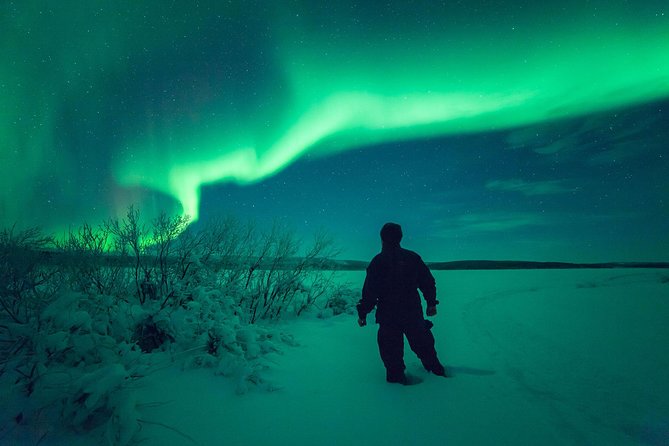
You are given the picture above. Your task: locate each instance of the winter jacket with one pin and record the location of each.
(393, 278)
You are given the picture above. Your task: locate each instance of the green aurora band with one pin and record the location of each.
(311, 80)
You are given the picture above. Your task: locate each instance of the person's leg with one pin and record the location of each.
(421, 341)
(391, 348)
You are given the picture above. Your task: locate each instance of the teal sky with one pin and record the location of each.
(517, 130)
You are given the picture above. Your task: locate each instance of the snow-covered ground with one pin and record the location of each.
(548, 357)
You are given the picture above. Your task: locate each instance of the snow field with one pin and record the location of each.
(538, 357)
(550, 357)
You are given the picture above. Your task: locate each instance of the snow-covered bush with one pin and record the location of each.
(342, 301)
(80, 357)
(151, 333)
(209, 325)
(81, 324)
(76, 364)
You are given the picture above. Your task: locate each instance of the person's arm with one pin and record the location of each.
(427, 286)
(368, 300)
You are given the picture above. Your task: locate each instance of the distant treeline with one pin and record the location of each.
(356, 265)
(517, 264)
(56, 257)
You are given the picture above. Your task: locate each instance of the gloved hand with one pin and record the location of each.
(431, 311)
(362, 322)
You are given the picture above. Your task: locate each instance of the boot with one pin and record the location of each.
(438, 370)
(399, 378)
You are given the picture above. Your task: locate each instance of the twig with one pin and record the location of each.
(153, 404)
(177, 431)
(42, 438)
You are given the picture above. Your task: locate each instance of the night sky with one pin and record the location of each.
(490, 130)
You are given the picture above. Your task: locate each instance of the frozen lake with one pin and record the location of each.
(552, 357)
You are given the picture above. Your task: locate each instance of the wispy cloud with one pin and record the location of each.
(500, 221)
(531, 188)
(547, 139)
(602, 138)
(489, 222)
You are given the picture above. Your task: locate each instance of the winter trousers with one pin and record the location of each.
(391, 345)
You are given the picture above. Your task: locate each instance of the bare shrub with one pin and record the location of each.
(277, 275)
(86, 267)
(129, 238)
(25, 282)
(164, 232)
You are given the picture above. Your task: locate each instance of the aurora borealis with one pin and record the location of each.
(489, 129)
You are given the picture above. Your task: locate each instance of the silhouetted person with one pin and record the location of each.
(394, 277)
